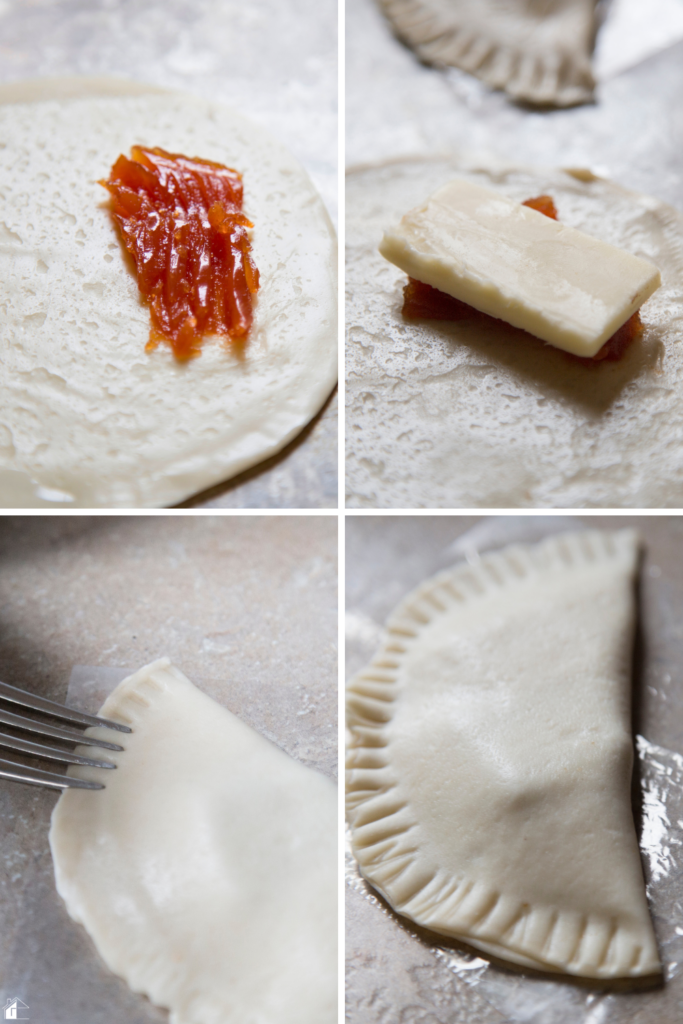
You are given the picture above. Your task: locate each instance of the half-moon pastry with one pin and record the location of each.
(468, 415)
(538, 53)
(491, 756)
(205, 872)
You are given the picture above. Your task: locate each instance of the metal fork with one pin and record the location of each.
(36, 776)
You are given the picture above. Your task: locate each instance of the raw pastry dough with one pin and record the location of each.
(206, 871)
(87, 417)
(538, 52)
(491, 756)
(451, 415)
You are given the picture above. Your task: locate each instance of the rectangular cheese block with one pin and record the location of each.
(518, 265)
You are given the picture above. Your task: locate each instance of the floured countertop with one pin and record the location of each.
(397, 972)
(245, 606)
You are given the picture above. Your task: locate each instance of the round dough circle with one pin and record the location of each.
(88, 418)
(452, 415)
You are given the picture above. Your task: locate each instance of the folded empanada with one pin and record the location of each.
(491, 758)
(538, 53)
(206, 870)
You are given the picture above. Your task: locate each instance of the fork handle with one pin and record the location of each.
(37, 777)
(49, 707)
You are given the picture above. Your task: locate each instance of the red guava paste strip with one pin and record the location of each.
(181, 220)
(544, 204)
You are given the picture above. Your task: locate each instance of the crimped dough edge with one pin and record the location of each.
(382, 820)
(137, 693)
(561, 76)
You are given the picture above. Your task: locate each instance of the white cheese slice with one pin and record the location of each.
(518, 265)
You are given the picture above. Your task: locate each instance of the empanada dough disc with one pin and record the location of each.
(451, 415)
(206, 870)
(538, 53)
(87, 417)
(491, 756)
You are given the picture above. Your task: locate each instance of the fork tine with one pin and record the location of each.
(51, 753)
(37, 777)
(56, 731)
(49, 707)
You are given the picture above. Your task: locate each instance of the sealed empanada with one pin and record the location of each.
(205, 871)
(491, 756)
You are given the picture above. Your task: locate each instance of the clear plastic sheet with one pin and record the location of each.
(398, 972)
(90, 685)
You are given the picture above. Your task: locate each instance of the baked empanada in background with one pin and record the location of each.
(537, 53)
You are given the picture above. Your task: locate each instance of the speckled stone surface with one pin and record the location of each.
(399, 973)
(273, 60)
(245, 606)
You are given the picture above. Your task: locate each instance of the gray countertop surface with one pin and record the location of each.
(245, 606)
(273, 60)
